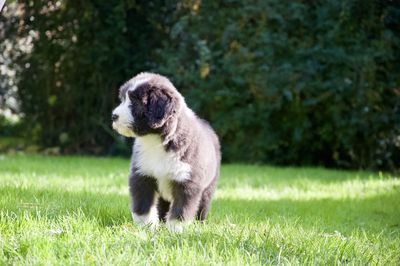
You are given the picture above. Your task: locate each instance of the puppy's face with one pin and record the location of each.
(145, 107)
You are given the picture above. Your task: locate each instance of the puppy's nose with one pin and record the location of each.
(114, 117)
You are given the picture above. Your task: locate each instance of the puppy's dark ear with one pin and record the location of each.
(131, 95)
(160, 108)
(138, 95)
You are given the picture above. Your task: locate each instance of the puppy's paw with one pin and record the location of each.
(153, 226)
(174, 226)
(149, 220)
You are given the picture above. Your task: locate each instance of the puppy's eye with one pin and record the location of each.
(135, 105)
(134, 101)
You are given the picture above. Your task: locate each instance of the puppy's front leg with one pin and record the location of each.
(143, 192)
(184, 206)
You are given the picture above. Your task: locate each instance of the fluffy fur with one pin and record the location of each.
(176, 155)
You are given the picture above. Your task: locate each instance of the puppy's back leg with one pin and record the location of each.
(163, 208)
(184, 207)
(205, 201)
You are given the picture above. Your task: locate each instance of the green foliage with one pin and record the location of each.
(82, 52)
(287, 82)
(74, 210)
(298, 82)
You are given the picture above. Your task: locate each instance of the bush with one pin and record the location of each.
(286, 82)
(298, 82)
(81, 53)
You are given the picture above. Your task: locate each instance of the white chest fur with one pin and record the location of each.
(151, 159)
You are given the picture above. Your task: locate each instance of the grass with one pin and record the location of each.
(74, 210)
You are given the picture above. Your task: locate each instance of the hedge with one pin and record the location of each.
(282, 82)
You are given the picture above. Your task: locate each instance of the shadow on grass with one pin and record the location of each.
(372, 214)
(105, 208)
(256, 176)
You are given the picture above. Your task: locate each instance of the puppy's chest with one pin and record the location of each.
(151, 159)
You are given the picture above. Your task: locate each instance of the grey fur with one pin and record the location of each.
(159, 109)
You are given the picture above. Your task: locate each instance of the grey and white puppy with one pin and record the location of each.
(176, 155)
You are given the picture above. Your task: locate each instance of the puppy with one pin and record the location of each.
(176, 155)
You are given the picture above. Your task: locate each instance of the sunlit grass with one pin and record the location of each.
(74, 210)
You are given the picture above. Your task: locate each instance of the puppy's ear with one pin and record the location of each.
(160, 107)
(131, 95)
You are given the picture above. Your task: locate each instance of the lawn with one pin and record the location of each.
(74, 210)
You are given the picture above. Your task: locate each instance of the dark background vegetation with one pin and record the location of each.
(283, 82)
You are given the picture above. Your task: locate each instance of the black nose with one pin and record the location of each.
(114, 117)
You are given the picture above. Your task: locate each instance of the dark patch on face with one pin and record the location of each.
(160, 107)
(150, 107)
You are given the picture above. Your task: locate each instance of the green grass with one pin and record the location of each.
(74, 210)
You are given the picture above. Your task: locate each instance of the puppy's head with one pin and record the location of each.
(148, 101)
